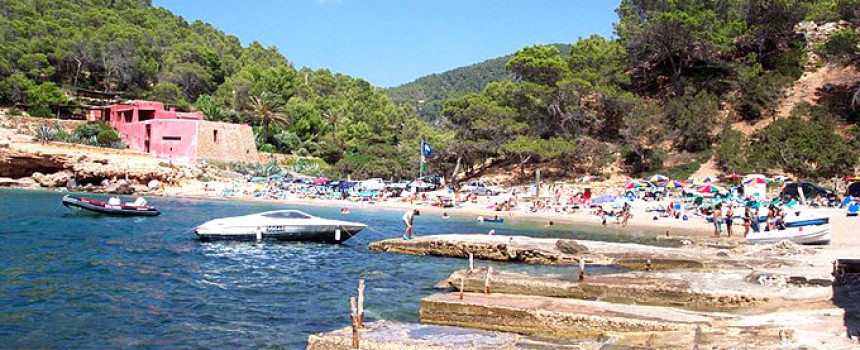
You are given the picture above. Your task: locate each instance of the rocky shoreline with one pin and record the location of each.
(781, 296)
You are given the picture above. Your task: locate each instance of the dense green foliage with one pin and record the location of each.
(662, 94)
(92, 134)
(666, 91)
(147, 52)
(427, 94)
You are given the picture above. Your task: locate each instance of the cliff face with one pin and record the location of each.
(24, 163)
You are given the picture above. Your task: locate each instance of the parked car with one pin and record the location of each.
(375, 184)
(482, 189)
(853, 190)
(810, 191)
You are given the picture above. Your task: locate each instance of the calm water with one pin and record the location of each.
(72, 280)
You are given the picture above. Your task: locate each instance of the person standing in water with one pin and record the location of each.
(408, 216)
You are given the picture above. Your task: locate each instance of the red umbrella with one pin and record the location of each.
(710, 189)
(732, 177)
(322, 180)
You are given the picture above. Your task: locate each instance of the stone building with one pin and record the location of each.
(148, 127)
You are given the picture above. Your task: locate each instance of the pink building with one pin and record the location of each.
(148, 127)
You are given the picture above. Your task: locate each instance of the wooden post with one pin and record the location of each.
(360, 310)
(581, 270)
(667, 233)
(462, 282)
(487, 280)
(471, 262)
(353, 320)
(648, 265)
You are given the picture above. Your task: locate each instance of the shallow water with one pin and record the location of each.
(74, 280)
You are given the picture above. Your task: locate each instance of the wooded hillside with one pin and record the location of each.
(681, 83)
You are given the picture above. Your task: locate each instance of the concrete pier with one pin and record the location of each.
(382, 335)
(554, 317)
(564, 251)
(726, 290)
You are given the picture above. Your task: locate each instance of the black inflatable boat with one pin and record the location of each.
(120, 209)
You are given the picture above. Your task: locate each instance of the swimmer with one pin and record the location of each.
(445, 215)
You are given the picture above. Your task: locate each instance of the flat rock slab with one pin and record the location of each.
(562, 251)
(724, 291)
(554, 317)
(383, 335)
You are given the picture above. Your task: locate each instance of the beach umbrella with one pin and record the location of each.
(757, 181)
(675, 184)
(852, 178)
(321, 180)
(709, 179)
(732, 177)
(710, 189)
(635, 184)
(658, 178)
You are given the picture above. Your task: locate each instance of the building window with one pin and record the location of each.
(215, 135)
(172, 138)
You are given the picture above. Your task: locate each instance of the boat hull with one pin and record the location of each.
(809, 235)
(307, 233)
(115, 210)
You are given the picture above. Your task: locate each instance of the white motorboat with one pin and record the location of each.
(283, 225)
(799, 228)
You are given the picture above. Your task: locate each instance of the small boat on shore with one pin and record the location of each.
(112, 207)
(798, 228)
(496, 219)
(281, 225)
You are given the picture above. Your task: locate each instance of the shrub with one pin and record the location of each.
(45, 134)
(106, 137)
(96, 134)
(808, 148)
(41, 111)
(842, 44)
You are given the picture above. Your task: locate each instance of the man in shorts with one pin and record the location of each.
(408, 216)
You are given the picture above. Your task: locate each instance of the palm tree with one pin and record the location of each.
(266, 109)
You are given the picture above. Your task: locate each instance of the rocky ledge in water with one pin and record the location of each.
(553, 251)
(383, 335)
(637, 326)
(735, 290)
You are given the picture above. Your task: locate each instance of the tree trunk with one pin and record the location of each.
(265, 131)
(456, 170)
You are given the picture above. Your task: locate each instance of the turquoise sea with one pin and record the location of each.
(79, 281)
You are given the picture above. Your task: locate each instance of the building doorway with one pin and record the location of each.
(147, 138)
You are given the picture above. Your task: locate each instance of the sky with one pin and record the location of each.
(392, 42)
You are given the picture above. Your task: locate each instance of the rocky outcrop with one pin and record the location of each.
(58, 179)
(383, 335)
(553, 317)
(705, 291)
(550, 251)
(87, 168)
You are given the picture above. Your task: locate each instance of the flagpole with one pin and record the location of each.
(421, 165)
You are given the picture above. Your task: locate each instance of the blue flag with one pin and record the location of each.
(426, 150)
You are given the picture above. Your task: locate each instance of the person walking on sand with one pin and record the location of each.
(747, 220)
(408, 216)
(625, 212)
(718, 220)
(729, 216)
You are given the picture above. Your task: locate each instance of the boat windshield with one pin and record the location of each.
(287, 214)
